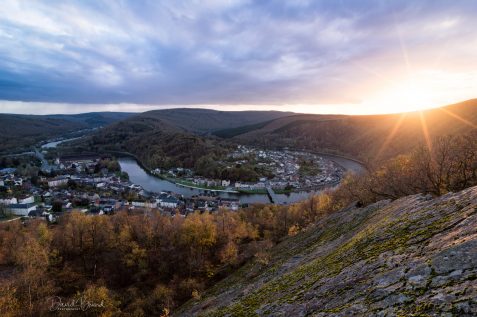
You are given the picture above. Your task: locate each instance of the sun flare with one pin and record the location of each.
(430, 89)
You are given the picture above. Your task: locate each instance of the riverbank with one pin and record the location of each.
(196, 186)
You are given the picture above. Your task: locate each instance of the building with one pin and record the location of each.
(144, 204)
(9, 170)
(21, 209)
(8, 201)
(225, 183)
(58, 181)
(169, 202)
(27, 200)
(230, 203)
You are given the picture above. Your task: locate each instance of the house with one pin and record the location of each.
(2, 183)
(109, 205)
(241, 185)
(202, 205)
(27, 200)
(211, 183)
(18, 182)
(144, 204)
(230, 203)
(225, 183)
(21, 209)
(9, 170)
(58, 181)
(169, 202)
(8, 201)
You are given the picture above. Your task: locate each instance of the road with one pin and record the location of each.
(44, 163)
(271, 194)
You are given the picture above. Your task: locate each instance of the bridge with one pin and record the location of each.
(271, 194)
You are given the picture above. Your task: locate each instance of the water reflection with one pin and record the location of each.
(138, 176)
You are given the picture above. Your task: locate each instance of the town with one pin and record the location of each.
(90, 184)
(286, 170)
(36, 187)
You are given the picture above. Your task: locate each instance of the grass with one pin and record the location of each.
(252, 191)
(180, 181)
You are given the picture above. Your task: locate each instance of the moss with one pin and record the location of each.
(376, 236)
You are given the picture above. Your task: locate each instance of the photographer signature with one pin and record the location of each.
(79, 304)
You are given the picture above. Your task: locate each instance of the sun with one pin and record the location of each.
(410, 95)
(424, 90)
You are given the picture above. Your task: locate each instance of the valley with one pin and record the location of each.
(238, 158)
(259, 210)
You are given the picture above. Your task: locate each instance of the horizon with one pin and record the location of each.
(321, 57)
(135, 109)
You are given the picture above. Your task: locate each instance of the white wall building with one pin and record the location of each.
(27, 200)
(59, 181)
(8, 201)
(21, 209)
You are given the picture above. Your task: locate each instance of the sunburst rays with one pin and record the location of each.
(391, 135)
(458, 118)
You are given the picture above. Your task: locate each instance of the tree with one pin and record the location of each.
(4, 211)
(57, 206)
(198, 234)
(33, 282)
(97, 301)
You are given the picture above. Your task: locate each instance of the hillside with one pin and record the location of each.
(155, 141)
(204, 121)
(21, 131)
(369, 138)
(413, 256)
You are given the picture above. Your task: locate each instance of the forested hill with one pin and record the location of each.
(155, 141)
(21, 131)
(174, 137)
(183, 137)
(369, 138)
(205, 121)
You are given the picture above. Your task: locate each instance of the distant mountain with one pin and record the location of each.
(181, 137)
(369, 137)
(414, 256)
(21, 131)
(205, 121)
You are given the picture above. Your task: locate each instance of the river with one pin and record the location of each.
(151, 183)
(53, 144)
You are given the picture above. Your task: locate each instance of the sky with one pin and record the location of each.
(354, 57)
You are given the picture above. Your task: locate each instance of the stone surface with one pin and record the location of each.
(413, 256)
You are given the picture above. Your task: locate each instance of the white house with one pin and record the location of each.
(21, 209)
(27, 200)
(144, 204)
(169, 202)
(58, 181)
(8, 201)
(241, 185)
(225, 183)
(2, 183)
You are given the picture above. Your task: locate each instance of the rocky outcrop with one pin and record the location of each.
(413, 256)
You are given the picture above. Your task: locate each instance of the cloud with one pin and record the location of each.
(227, 52)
